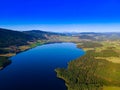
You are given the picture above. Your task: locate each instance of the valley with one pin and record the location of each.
(98, 69)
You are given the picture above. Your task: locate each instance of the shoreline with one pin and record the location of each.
(9, 55)
(60, 74)
(57, 71)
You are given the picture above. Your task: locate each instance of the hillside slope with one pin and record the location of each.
(42, 34)
(9, 37)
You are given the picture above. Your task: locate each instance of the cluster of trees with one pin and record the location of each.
(104, 53)
(4, 61)
(89, 73)
(89, 44)
(80, 75)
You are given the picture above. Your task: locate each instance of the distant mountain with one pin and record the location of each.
(41, 34)
(87, 37)
(96, 35)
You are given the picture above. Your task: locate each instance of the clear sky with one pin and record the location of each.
(61, 15)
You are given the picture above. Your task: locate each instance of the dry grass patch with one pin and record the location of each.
(111, 59)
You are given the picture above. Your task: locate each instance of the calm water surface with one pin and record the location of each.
(34, 69)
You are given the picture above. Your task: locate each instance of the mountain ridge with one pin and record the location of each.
(10, 37)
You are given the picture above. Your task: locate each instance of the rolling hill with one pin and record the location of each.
(10, 37)
(17, 38)
(41, 34)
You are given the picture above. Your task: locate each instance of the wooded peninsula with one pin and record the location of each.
(98, 69)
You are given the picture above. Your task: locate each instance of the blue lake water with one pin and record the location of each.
(34, 69)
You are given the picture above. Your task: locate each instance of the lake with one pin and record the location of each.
(34, 69)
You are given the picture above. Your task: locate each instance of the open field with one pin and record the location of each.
(111, 88)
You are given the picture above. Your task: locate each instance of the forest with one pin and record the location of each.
(91, 73)
(4, 61)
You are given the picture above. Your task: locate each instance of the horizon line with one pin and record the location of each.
(63, 31)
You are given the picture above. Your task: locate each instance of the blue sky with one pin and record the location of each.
(61, 15)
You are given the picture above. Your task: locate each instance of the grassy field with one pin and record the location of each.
(111, 88)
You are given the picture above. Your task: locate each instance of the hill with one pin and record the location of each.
(17, 38)
(96, 36)
(10, 37)
(42, 34)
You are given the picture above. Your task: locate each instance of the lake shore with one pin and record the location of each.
(22, 48)
(99, 47)
(33, 65)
